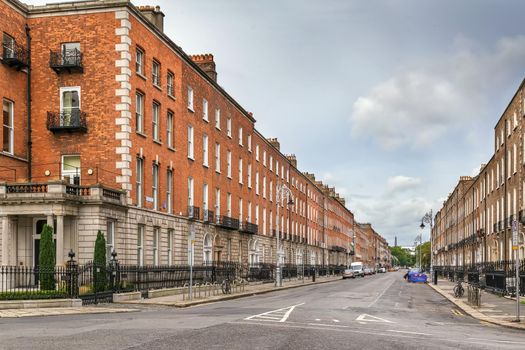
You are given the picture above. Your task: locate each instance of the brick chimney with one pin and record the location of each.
(275, 143)
(206, 63)
(154, 15)
(292, 159)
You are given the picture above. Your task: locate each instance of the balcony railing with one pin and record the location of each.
(228, 222)
(67, 121)
(208, 216)
(68, 60)
(248, 227)
(14, 55)
(194, 212)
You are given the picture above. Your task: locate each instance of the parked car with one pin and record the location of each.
(348, 273)
(381, 270)
(357, 268)
(368, 271)
(416, 276)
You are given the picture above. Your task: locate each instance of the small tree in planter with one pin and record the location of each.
(46, 263)
(99, 263)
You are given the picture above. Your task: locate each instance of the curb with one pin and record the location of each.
(230, 297)
(474, 313)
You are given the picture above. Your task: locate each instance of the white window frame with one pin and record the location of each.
(139, 112)
(257, 152)
(271, 163)
(205, 110)
(156, 244)
(139, 181)
(155, 73)
(249, 142)
(229, 127)
(155, 185)
(110, 238)
(169, 128)
(169, 191)
(249, 175)
(190, 192)
(205, 197)
(155, 111)
(240, 137)
(190, 98)
(139, 61)
(257, 183)
(70, 88)
(240, 171)
(170, 84)
(229, 205)
(191, 145)
(229, 164)
(218, 119)
(205, 150)
(218, 158)
(217, 202)
(140, 245)
(170, 246)
(10, 127)
(71, 173)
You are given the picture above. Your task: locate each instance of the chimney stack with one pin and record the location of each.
(292, 159)
(154, 15)
(206, 63)
(275, 143)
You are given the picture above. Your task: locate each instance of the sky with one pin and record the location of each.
(389, 101)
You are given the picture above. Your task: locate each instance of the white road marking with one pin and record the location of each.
(380, 295)
(369, 318)
(407, 332)
(318, 319)
(279, 315)
(336, 321)
(327, 325)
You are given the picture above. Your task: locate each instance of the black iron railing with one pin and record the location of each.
(208, 216)
(74, 120)
(66, 60)
(248, 227)
(228, 222)
(194, 212)
(15, 55)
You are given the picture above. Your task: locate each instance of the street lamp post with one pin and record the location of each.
(281, 190)
(427, 218)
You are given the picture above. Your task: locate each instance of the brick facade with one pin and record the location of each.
(149, 109)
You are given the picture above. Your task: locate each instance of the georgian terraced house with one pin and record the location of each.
(108, 125)
(475, 223)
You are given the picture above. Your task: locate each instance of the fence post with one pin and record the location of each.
(72, 275)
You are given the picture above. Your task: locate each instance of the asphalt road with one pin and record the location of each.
(375, 312)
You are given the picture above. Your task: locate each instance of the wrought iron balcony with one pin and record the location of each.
(14, 55)
(228, 222)
(208, 216)
(66, 121)
(67, 60)
(248, 227)
(193, 212)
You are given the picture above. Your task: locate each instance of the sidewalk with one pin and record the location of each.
(58, 311)
(494, 309)
(249, 290)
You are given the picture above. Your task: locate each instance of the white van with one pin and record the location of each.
(357, 268)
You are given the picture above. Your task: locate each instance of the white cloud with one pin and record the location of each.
(402, 183)
(420, 103)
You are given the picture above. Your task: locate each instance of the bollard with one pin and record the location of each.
(435, 277)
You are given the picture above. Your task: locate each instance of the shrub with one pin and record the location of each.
(99, 263)
(46, 263)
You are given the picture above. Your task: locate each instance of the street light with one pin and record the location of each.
(427, 218)
(281, 190)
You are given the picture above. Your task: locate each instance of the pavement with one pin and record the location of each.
(57, 311)
(376, 312)
(249, 290)
(494, 309)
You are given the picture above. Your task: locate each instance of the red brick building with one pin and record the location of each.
(109, 125)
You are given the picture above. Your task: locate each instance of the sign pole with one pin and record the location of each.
(517, 263)
(192, 242)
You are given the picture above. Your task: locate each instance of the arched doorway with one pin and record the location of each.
(253, 251)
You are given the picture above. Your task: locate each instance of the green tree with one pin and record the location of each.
(404, 258)
(424, 250)
(99, 263)
(46, 262)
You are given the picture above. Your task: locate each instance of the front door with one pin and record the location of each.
(39, 226)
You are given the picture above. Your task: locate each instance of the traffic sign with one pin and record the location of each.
(514, 235)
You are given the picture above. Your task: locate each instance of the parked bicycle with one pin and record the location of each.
(458, 290)
(226, 286)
